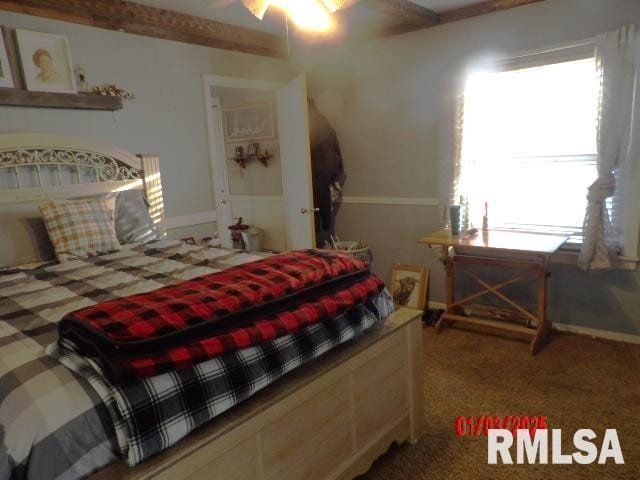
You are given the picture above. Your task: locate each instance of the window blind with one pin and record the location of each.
(529, 146)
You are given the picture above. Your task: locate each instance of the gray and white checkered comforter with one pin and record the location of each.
(55, 423)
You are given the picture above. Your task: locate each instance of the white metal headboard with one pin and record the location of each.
(38, 166)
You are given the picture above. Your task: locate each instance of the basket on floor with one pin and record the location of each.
(358, 250)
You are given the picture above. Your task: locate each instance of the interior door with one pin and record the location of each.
(297, 186)
(224, 213)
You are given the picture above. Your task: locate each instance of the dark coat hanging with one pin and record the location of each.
(328, 173)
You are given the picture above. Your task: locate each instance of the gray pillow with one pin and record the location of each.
(23, 235)
(132, 220)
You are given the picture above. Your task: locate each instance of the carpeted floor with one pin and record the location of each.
(577, 382)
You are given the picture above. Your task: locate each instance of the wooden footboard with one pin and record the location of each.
(329, 420)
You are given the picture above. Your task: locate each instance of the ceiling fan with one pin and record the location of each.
(308, 14)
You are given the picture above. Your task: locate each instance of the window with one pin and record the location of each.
(529, 146)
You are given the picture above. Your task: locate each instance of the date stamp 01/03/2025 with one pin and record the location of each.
(534, 442)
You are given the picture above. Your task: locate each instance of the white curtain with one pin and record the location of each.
(450, 166)
(617, 60)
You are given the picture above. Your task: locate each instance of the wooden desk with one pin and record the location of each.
(527, 254)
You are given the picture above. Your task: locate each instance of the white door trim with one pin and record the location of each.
(295, 158)
(217, 163)
(237, 82)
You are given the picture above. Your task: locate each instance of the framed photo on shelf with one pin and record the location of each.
(409, 286)
(251, 122)
(6, 73)
(252, 150)
(46, 62)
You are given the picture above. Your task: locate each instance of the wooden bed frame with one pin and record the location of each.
(327, 420)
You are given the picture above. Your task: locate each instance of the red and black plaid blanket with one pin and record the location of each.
(180, 325)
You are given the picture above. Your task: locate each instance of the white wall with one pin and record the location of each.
(389, 102)
(167, 116)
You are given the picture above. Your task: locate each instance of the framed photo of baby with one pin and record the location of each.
(409, 286)
(46, 62)
(6, 75)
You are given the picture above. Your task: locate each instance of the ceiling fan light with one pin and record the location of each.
(329, 5)
(307, 14)
(333, 5)
(257, 7)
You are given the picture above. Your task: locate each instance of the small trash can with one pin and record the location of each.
(253, 238)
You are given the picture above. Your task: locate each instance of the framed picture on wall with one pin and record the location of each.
(251, 122)
(409, 286)
(6, 74)
(46, 62)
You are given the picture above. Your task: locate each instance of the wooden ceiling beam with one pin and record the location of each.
(410, 16)
(482, 9)
(130, 17)
(446, 17)
(126, 16)
(403, 11)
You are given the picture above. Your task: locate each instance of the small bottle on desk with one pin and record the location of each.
(485, 217)
(485, 224)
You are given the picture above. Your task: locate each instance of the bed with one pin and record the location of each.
(323, 416)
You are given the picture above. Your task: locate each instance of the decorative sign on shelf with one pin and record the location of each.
(252, 122)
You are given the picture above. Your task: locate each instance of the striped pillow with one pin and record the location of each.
(79, 228)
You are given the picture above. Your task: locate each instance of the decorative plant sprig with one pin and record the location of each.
(113, 91)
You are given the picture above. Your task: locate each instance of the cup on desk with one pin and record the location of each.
(454, 217)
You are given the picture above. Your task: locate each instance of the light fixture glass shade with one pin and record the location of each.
(257, 7)
(295, 8)
(307, 14)
(333, 5)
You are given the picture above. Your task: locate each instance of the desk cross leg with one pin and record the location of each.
(531, 268)
(513, 250)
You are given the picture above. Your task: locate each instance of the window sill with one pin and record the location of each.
(569, 256)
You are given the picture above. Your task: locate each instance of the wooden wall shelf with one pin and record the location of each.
(242, 161)
(82, 101)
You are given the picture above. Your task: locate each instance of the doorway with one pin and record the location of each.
(260, 158)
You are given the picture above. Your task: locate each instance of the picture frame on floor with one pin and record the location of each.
(409, 286)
